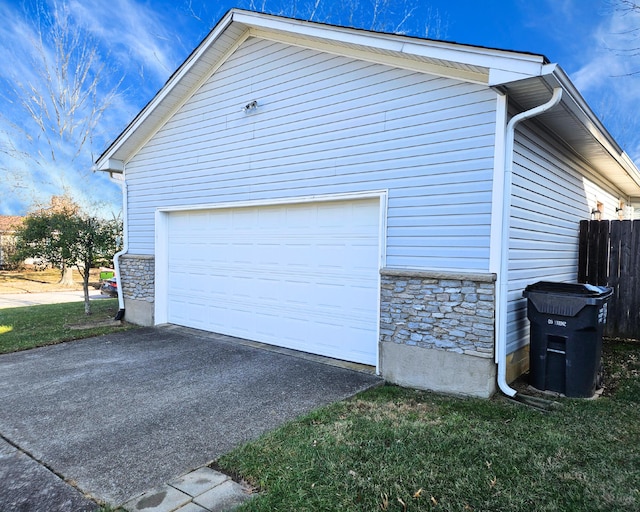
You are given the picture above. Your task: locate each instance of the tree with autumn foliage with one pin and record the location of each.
(43, 233)
(65, 237)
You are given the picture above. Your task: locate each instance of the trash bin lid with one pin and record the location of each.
(571, 289)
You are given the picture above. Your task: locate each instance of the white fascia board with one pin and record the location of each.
(316, 30)
(377, 58)
(502, 76)
(110, 165)
(498, 77)
(519, 64)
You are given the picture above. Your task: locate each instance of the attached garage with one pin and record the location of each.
(370, 197)
(303, 276)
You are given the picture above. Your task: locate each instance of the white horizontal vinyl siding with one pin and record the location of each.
(553, 190)
(327, 124)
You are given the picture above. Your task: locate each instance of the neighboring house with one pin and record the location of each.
(8, 226)
(362, 196)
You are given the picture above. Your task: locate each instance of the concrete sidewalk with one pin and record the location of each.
(28, 485)
(202, 490)
(129, 412)
(17, 300)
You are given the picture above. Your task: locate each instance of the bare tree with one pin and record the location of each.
(52, 112)
(628, 44)
(409, 17)
(619, 70)
(627, 5)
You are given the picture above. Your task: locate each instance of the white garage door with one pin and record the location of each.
(302, 276)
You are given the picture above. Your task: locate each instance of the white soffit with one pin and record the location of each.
(576, 125)
(398, 58)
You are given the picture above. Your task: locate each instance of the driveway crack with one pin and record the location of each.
(48, 468)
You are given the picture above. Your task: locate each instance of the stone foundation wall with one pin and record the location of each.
(138, 277)
(138, 287)
(436, 310)
(437, 331)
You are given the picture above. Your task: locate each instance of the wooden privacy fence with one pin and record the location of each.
(609, 255)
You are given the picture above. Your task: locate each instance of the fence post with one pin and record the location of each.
(583, 251)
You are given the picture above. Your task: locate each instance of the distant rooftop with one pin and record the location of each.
(10, 222)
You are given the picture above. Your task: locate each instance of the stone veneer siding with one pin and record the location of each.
(448, 311)
(138, 277)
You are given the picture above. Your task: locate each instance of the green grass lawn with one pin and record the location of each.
(403, 450)
(35, 326)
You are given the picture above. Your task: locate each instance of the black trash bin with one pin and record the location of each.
(567, 321)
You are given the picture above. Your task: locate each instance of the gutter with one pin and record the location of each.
(125, 245)
(577, 105)
(502, 286)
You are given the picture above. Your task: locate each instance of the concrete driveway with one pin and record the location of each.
(127, 412)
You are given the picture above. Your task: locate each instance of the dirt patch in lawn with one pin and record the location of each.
(34, 281)
(91, 324)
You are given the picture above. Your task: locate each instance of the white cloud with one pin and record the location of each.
(612, 53)
(17, 55)
(610, 77)
(143, 45)
(30, 172)
(139, 37)
(138, 43)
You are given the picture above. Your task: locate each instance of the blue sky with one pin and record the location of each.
(140, 43)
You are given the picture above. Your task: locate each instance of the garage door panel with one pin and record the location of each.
(269, 254)
(300, 276)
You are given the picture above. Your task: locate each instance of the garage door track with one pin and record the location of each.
(120, 414)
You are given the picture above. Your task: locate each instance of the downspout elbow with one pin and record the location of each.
(503, 285)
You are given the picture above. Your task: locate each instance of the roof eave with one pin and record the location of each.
(494, 63)
(505, 70)
(114, 154)
(591, 139)
(588, 118)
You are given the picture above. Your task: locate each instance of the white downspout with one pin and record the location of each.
(125, 246)
(502, 287)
